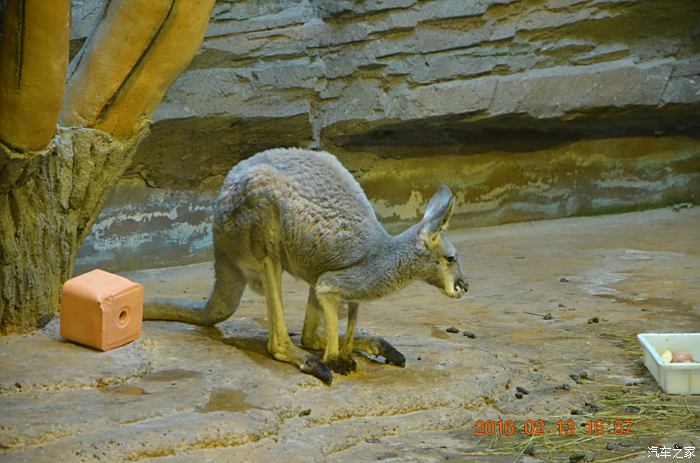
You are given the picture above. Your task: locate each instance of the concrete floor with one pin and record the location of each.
(182, 393)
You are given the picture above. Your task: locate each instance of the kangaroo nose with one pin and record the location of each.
(461, 286)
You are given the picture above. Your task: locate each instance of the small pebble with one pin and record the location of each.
(452, 329)
(522, 390)
(593, 408)
(577, 457)
(548, 316)
(529, 450)
(305, 412)
(583, 375)
(561, 306)
(564, 280)
(566, 387)
(518, 395)
(576, 411)
(611, 446)
(575, 377)
(593, 320)
(469, 334)
(372, 440)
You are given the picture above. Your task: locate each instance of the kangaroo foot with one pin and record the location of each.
(314, 366)
(375, 345)
(343, 364)
(306, 362)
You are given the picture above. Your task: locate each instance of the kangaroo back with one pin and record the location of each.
(325, 220)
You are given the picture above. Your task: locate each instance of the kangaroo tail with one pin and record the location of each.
(222, 303)
(181, 310)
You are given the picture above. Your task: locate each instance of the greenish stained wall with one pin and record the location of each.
(527, 109)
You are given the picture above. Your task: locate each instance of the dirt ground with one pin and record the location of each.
(182, 393)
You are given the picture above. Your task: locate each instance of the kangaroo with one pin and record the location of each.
(301, 211)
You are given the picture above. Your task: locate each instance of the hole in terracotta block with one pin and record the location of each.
(124, 316)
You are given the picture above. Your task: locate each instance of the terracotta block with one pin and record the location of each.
(101, 310)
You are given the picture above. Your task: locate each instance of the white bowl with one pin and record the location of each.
(674, 378)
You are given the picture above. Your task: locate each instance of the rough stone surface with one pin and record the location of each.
(183, 393)
(488, 89)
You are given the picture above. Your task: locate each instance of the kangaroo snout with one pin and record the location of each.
(460, 288)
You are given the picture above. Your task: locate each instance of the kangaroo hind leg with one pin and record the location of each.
(278, 343)
(344, 363)
(348, 342)
(314, 336)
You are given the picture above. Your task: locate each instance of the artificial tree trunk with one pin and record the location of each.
(45, 220)
(53, 182)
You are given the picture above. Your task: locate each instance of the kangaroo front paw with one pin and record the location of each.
(342, 365)
(390, 354)
(314, 366)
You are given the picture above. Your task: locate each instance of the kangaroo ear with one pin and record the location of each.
(438, 213)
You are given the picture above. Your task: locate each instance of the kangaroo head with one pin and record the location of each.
(437, 256)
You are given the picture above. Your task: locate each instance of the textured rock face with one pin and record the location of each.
(526, 109)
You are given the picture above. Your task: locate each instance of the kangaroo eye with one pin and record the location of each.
(451, 259)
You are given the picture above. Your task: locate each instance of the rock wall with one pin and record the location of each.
(526, 109)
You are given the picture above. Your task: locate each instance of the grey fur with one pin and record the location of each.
(302, 212)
